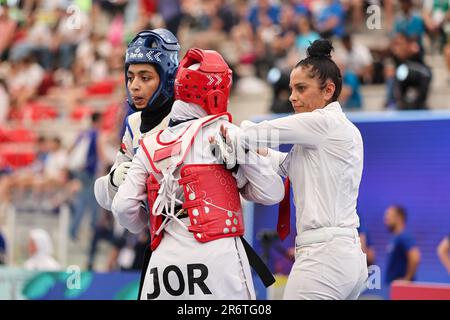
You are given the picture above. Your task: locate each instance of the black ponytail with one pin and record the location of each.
(321, 65)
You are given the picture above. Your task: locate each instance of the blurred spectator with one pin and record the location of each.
(263, 9)
(410, 78)
(443, 252)
(4, 102)
(47, 175)
(403, 254)
(410, 23)
(171, 12)
(37, 41)
(55, 169)
(388, 6)
(24, 79)
(2, 249)
(104, 230)
(447, 59)
(356, 58)
(355, 11)
(91, 58)
(85, 157)
(279, 80)
(306, 35)
(42, 150)
(350, 97)
(40, 251)
(329, 17)
(301, 7)
(8, 27)
(128, 251)
(69, 33)
(243, 40)
(436, 15)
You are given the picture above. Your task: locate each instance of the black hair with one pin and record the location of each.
(96, 117)
(322, 66)
(57, 140)
(401, 211)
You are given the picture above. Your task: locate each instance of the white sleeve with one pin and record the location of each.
(127, 204)
(279, 161)
(366, 56)
(103, 189)
(308, 129)
(264, 185)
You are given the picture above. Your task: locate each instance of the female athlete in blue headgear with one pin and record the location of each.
(151, 63)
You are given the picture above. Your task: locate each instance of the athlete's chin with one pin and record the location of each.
(139, 106)
(300, 109)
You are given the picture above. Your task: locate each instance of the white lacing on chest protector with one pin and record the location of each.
(166, 200)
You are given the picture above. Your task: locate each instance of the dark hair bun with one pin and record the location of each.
(320, 48)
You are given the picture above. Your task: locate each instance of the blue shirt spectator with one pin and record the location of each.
(354, 100)
(403, 254)
(303, 41)
(272, 11)
(306, 34)
(410, 23)
(412, 26)
(2, 249)
(324, 17)
(397, 260)
(302, 10)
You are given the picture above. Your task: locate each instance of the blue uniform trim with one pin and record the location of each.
(127, 125)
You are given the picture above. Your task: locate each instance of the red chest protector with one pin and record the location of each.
(211, 195)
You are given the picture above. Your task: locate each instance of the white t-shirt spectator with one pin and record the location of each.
(56, 163)
(357, 59)
(29, 77)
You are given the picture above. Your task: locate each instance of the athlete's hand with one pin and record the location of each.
(224, 146)
(119, 174)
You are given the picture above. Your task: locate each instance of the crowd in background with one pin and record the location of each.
(62, 81)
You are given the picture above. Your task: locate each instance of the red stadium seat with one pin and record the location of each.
(17, 135)
(16, 155)
(35, 111)
(80, 112)
(101, 88)
(109, 117)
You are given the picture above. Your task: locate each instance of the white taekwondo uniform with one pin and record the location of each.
(180, 260)
(325, 167)
(104, 190)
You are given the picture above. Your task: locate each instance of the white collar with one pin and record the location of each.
(333, 106)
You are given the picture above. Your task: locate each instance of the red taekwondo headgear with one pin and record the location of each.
(209, 85)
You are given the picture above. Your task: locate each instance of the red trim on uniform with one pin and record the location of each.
(170, 142)
(167, 152)
(149, 157)
(284, 212)
(198, 129)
